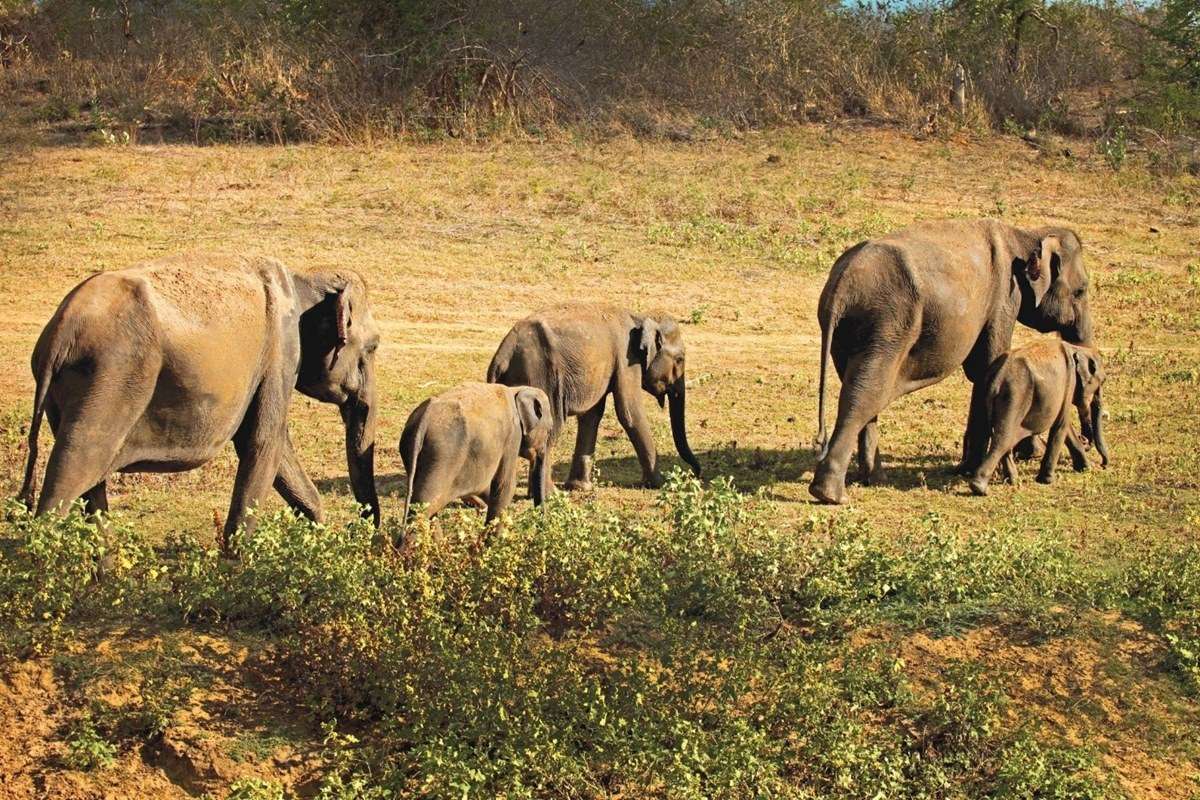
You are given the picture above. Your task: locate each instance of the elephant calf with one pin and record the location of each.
(1030, 391)
(465, 443)
(579, 355)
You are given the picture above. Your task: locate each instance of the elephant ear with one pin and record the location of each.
(1039, 266)
(343, 318)
(530, 409)
(1086, 367)
(651, 336)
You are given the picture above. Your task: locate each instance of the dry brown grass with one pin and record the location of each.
(458, 242)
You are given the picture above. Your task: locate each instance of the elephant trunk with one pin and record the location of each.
(539, 477)
(1097, 413)
(359, 415)
(1081, 331)
(678, 397)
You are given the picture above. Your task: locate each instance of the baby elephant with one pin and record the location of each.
(1031, 391)
(465, 444)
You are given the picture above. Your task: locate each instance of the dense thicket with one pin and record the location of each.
(325, 69)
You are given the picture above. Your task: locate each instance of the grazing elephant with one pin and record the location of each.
(903, 311)
(1031, 391)
(465, 443)
(580, 354)
(156, 367)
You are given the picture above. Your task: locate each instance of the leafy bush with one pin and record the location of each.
(697, 651)
(87, 750)
(56, 568)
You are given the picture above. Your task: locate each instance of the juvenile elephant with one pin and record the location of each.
(156, 367)
(465, 443)
(1031, 390)
(579, 355)
(903, 311)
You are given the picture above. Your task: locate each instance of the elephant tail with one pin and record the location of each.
(45, 367)
(822, 440)
(499, 364)
(415, 444)
(556, 386)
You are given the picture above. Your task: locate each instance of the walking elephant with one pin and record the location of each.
(156, 367)
(468, 442)
(903, 311)
(1031, 390)
(579, 355)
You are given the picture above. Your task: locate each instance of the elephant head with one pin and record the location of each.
(338, 339)
(1089, 378)
(663, 377)
(537, 424)
(1057, 283)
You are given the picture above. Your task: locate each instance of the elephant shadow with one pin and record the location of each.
(751, 468)
(754, 468)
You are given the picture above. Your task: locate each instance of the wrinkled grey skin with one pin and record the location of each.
(579, 355)
(1032, 390)
(155, 368)
(903, 311)
(466, 442)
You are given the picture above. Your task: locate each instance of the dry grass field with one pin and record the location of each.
(732, 237)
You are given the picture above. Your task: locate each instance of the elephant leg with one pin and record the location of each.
(633, 420)
(1004, 436)
(1030, 448)
(975, 437)
(993, 342)
(95, 500)
(585, 448)
(1054, 445)
(294, 485)
(432, 485)
(1078, 452)
(1010, 468)
(870, 466)
(88, 439)
(867, 386)
(259, 443)
(503, 487)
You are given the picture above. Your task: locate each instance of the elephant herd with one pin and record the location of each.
(155, 368)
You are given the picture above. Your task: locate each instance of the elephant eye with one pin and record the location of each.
(1081, 291)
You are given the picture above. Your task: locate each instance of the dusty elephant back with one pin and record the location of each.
(567, 352)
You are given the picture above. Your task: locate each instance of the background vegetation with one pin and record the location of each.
(288, 70)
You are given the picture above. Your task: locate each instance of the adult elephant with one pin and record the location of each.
(904, 311)
(579, 355)
(156, 367)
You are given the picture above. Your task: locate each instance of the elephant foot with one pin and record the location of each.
(1046, 479)
(654, 481)
(578, 485)
(1029, 448)
(874, 478)
(979, 486)
(828, 492)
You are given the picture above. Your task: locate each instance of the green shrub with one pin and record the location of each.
(699, 650)
(57, 568)
(255, 789)
(87, 749)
